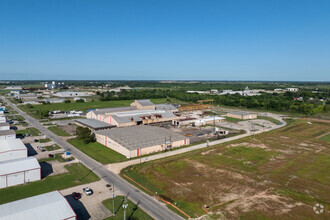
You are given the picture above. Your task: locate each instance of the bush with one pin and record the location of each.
(80, 100)
(67, 101)
(84, 134)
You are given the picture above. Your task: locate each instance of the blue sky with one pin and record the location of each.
(165, 39)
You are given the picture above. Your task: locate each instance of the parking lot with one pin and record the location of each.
(90, 207)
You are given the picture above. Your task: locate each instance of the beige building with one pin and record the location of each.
(135, 141)
(242, 115)
(140, 112)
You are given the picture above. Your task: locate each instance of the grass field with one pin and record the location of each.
(31, 131)
(98, 152)
(326, 138)
(58, 131)
(273, 120)
(51, 147)
(271, 175)
(76, 175)
(132, 211)
(230, 119)
(81, 106)
(58, 158)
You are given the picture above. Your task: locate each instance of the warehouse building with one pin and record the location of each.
(19, 171)
(140, 112)
(50, 206)
(4, 126)
(11, 149)
(3, 119)
(7, 134)
(93, 124)
(135, 141)
(242, 115)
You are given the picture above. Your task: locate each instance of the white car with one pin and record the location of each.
(88, 191)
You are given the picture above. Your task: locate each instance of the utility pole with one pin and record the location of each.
(125, 205)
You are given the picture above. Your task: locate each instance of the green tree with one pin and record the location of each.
(84, 134)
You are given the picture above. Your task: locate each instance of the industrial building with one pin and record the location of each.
(135, 141)
(68, 94)
(140, 112)
(7, 134)
(3, 119)
(198, 122)
(11, 149)
(242, 115)
(93, 124)
(4, 126)
(50, 206)
(19, 171)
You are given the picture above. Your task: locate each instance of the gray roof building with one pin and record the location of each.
(94, 124)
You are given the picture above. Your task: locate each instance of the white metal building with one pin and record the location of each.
(12, 149)
(50, 206)
(2, 119)
(4, 126)
(7, 134)
(19, 171)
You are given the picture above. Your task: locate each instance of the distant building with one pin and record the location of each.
(135, 141)
(292, 89)
(19, 171)
(67, 94)
(242, 115)
(13, 88)
(50, 206)
(50, 85)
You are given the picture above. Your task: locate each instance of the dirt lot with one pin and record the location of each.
(279, 174)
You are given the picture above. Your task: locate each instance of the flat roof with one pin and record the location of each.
(18, 165)
(125, 117)
(145, 102)
(141, 136)
(51, 206)
(11, 144)
(112, 110)
(94, 124)
(7, 132)
(241, 113)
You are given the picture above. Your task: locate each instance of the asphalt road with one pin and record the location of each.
(151, 205)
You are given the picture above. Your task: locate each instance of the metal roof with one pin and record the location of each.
(94, 124)
(142, 136)
(103, 111)
(11, 144)
(166, 107)
(145, 102)
(4, 124)
(18, 165)
(50, 206)
(6, 132)
(241, 113)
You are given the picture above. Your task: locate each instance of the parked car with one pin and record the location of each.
(50, 155)
(76, 195)
(41, 148)
(27, 135)
(36, 140)
(88, 191)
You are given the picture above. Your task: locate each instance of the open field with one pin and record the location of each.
(32, 131)
(81, 106)
(132, 212)
(326, 138)
(58, 131)
(278, 174)
(98, 151)
(76, 175)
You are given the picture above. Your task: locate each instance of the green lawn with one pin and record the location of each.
(80, 106)
(51, 147)
(58, 131)
(45, 140)
(76, 175)
(132, 212)
(98, 151)
(31, 131)
(273, 120)
(56, 157)
(326, 138)
(230, 119)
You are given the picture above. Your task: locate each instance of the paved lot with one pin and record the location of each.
(91, 207)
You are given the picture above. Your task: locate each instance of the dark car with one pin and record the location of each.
(50, 155)
(76, 195)
(36, 140)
